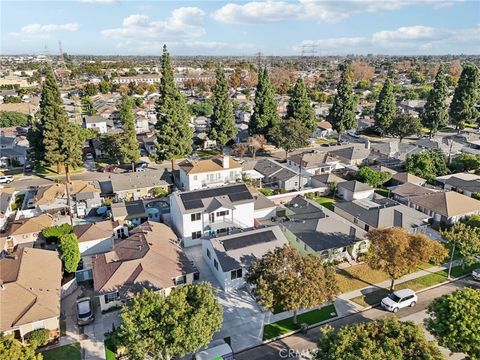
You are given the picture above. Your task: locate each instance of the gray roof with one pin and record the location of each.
(328, 178)
(139, 180)
(408, 189)
(94, 119)
(239, 250)
(469, 185)
(5, 199)
(262, 202)
(129, 210)
(354, 186)
(383, 212)
(273, 170)
(352, 153)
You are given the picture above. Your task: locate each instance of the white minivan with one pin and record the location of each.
(399, 299)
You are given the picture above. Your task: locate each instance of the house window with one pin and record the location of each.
(196, 216)
(367, 227)
(194, 177)
(223, 213)
(196, 276)
(355, 220)
(209, 255)
(113, 296)
(215, 264)
(179, 280)
(236, 274)
(222, 231)
(196, 235)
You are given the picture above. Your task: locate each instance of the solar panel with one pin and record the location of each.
(248, 240)
(193, 204)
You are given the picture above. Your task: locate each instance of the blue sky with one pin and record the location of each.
(110, 27)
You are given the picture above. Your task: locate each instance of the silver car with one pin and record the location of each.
(399, 299)
(85, 314)
(476, 274)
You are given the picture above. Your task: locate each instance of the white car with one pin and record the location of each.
(7, 179)
(399, 299)
(476, 274)
(89, 156)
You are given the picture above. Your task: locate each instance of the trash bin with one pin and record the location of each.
(304, 328)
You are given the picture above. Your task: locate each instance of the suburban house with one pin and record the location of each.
(381, 212)
(96, 238)
(213, 172)
(310, 230)
(463, 183)
(323, 130)
(30, 292)
(229, 257)
(403, 193)
(207, 212)
(12, 151)
(278, 176)
(323, 180)
(132, 212)
(353, 155)
(149, 258)
(312, 163)
(354, 190)
(7, 198)
(399, 178)
(25, 232)
(446, 207)
(264, 208)
(392, 151)
(137, 185)
(96, 122)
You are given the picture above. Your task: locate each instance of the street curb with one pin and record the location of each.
(344, 317)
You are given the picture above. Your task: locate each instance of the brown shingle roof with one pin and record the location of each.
(31, 225)
(95, 231)
(47, 194)
(448, 203)
(29, 295)
(201, 166)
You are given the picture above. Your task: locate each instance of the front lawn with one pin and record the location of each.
(207, 153)
(358, 276)
(325, 201)
(70, 352)
(109, 349)
(383, 192)
(41, 170)
(422, 282)
(310, 317)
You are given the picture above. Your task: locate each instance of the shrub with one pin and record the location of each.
(70, 252)
(159, 192)
(38, 337)
(266, 192)
(54, 233)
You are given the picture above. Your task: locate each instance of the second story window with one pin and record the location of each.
(236, 274)
(223, 213)
(196, 235)
(196, 216)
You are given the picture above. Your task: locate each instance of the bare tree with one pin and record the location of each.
(240, 149)
(255, 143)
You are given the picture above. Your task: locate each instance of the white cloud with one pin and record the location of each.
(257, 12)
(44, 30)
(408, 38)
(184, 23)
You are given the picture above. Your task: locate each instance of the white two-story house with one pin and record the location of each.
(210, 212)
(95, 122)
(208, 173)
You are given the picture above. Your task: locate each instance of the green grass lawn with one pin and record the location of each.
(70, 352)
(17, 205)
(41, 170)
(383, 192)
(422, 282)
(325, 141)
(109, 350)
(325, 201)
(311, 317)
(207, 153)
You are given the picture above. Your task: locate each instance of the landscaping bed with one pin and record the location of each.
(326, 201)
(285, 326)
(422, 282)
(70, 352)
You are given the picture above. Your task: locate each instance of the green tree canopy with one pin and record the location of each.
(129, 151)
(222, 125)
(404, 125)
(299, 106)
(385, 108)
(463, 107)
(454, 321)
(11, 348)
(174, 135)
(465, 162)
(386, 339)
(466, 240)
(265, 114)
(289, 135)
(284, 278)
(54, 233)
(427, 164)
(70, 252)
(105, 87)
(435, 114)
(13, 118)
(398, 252)
(373, 177)
(342, 113)
(163, 327)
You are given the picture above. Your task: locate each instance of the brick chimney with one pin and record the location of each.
(226, 161)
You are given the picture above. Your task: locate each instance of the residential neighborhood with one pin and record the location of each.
(171, 203)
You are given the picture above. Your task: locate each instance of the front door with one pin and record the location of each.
(211, 217)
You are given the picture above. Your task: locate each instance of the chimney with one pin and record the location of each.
(226, 161)
(367, 144)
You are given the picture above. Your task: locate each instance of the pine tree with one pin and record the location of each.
(462, 108)
(222, 125)
(265, 115)
(342, 113)
(386, 107)
(435, 114)
(129, 145)
(299, 106)
(174, 135)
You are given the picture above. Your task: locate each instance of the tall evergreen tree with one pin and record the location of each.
(386, 107)
(222, 125)
(435, 113)
(174, 135)
(129, 145)
(265, 115)
(342, 113)
(462, 108)
(299, 106)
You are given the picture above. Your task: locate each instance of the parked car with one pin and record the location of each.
(399, 299)
(111, 168)
(142, 165)
(7, 179)
(89, 156)
(476, 274)
(85, 314)
(218, 349)
(28, 168)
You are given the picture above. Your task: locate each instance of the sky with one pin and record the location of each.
(120, 27)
